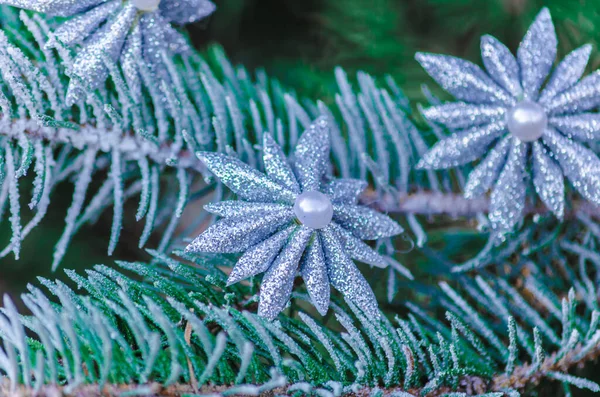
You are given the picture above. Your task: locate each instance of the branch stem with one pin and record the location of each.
(131, 146)
(456, 205)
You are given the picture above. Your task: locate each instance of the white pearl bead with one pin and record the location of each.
(527, 121)
(313, 209)
(146, 5)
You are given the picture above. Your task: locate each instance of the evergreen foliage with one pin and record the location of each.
(171, 321)
(169, 324)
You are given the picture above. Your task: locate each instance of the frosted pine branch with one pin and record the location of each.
(428, 203)
(456, 205)
(206, 323)
(106, 140)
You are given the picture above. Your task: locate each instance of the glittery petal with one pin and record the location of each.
(501, 65)
(259, 257)
(345, 190)
(508, 196)
(548, 180)
(174, 41)
(312, 155)
(578, 163)
(345, 277)
(276, 164)
(314, 273)
(236, 235)
(485, 174)
(277, 283)
(89, 64)
(567, 73)
(58, 8)
(357, 249)
(244, 180)
(463, 79)
(462, 147)
(186, 11)
(585, 95)
(78, 28)
(584, 127)
(459, 115)
(130, 58)
(153, 39)
(238, 209)
(536, 54)
(365, 223)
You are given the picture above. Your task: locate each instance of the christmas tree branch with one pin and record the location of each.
(456, 205)
(527, 377)
(89, 136)
(524, 377)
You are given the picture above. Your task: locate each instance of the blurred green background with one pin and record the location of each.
(300, 42)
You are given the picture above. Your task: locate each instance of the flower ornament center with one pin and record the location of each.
(313, 209)
(146, 5)
(527, 121)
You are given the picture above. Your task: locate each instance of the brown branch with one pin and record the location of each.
(456, 205)
(521, 378)
(104, 139)
(134, 147)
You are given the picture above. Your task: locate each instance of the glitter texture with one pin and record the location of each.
(117, 29)
(274, 241)
(548, 180)
(345, 191)
(548, 145)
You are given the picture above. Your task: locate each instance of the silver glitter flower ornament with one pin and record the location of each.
(292, 219)
(125, 31)
(521, 115)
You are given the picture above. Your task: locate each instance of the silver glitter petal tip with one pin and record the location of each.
(78, 28)
(582, 127)
(130, 58)
(345, 277)
(508, 196)
(501, 65)
(277, 284)
(582, 97)
(357, 249)
(462, 147)
(567, 73)
(154, 32)
(578, 163)
(314, 274)
(537, 53)
(312, 155)
(239, 209)
(463, 79)
(244, 180)
(89, 70)
(276, 164)
(459, 115)
(485, 174)
(175, 42)
(345, 190)
(548, 180)
(55, 8)
(183, 12)
(232, 235)
(259, 257)
(365, 223)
